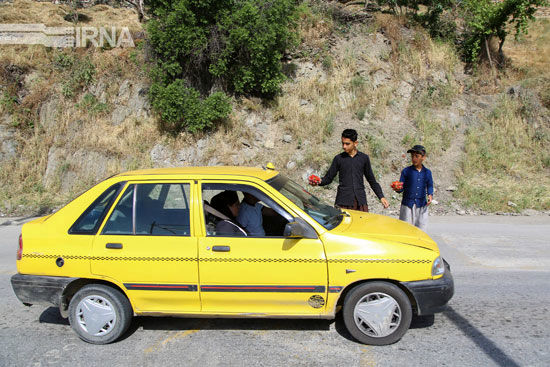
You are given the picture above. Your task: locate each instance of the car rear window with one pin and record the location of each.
(90, 220)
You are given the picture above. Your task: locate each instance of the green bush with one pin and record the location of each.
(182, 108)
(90, 104)
(8, 102)
(360, 114)
(63, 60)
(205, 45)
(81, 73)
(376, 145)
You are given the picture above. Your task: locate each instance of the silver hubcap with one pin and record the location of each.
(96, 315)
(377, 315)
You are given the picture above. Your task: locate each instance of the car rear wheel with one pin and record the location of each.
(99, 314)
(377, 313)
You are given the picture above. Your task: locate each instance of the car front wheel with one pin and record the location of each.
(99, 314)
(377, 313)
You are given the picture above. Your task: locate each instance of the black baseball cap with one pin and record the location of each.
(417, 149)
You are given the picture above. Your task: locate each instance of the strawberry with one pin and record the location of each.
(313, 179)
(396, 185)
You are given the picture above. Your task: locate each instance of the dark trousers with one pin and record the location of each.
(361, 208)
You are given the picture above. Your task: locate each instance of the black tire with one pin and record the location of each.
(100, 304)
(381, 293)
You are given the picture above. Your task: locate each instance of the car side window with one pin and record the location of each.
(223, 222)
(152, 210)
(162, 210)
(121, 219)
(90, 220)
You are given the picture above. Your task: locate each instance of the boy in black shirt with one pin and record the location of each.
(351, 165)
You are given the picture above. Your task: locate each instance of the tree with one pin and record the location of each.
(485, 19)
(481, 19)
(207, 48)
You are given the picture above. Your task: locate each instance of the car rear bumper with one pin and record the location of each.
(31, 289)
(432, 295)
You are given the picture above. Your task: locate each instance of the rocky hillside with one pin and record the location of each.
(71, 117)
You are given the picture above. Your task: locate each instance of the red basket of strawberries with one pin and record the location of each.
(314, 180)
(397, 185)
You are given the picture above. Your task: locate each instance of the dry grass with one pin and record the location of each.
(309, 107)
(22, 178)
(27, 12)
(252, 104)
(310, 122)
(526, 62)
(32, 12)
(346, 91)
(532, 51)
(422, 55)
(227, 142)
(506, 160)
(315, 25)
(443, 56)
(75, 128)
(391, 26)
(529, 59)
(38, 57)
(435, 135)
(25, 56)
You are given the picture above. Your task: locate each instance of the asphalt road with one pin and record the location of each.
(498, 316)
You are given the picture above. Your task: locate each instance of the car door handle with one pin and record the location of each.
(221, 248)
(117, 246)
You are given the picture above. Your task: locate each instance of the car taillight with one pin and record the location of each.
(20, 250)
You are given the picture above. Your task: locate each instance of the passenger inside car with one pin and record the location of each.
(226, 203)
(252, 214)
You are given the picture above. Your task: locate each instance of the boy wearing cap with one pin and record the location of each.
(351, 165)
(417, 184)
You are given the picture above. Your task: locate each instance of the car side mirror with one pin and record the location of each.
(299, 229)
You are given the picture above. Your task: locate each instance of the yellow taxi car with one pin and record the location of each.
(149, 242)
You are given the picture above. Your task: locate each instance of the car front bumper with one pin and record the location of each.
(31, 289)
(432, 295)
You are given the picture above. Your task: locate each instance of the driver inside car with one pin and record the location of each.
(227, 204)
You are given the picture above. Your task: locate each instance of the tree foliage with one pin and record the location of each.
(485, 19)
(209, 49)
(480, 20)
(434, 21)
(431, 18)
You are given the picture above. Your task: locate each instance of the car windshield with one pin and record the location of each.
(326, 215)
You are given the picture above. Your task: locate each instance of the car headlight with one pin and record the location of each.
(438, 267)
